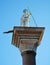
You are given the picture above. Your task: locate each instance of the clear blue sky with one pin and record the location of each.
(10, 13)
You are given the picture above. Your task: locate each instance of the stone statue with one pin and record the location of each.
(25, 18)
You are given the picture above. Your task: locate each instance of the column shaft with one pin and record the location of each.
(29, 58)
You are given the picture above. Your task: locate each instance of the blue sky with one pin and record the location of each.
(10, 14)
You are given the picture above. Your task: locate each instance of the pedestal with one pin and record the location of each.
(27, 39)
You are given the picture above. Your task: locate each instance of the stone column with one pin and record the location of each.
(28, 51)
(29, 57)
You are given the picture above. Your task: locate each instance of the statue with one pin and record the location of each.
(25, 18)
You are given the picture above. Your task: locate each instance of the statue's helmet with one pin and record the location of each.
(25, 10)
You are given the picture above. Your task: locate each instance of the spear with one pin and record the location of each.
(32, 17)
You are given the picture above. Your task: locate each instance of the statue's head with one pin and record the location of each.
(25, 11)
